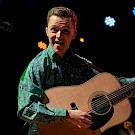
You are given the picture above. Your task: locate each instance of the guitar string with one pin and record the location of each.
(123, 90)
(99, 102)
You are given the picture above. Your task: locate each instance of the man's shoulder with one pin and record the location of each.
(41, 55)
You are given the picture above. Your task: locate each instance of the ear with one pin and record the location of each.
(75, 32)
(46, 29)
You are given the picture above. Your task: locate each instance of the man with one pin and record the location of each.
(55, 66)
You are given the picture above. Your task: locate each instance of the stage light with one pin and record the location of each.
(42, 45)
(81, 39)
(133, 11)
(109, 21)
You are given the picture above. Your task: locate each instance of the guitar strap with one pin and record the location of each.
(94, 68)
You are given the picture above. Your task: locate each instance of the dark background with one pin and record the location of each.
(111, 49)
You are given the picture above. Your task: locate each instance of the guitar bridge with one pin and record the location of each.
(73, 106)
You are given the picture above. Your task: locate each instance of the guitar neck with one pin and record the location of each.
(124, 92)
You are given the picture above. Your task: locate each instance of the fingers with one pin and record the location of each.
(79, 126)
(85, 121)
(128, 125)
(80, 118)
(83, 125)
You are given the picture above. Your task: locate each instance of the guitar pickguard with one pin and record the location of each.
(101, 120)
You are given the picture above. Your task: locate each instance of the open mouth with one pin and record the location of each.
(58, 42)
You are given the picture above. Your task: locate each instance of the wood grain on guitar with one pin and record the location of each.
(102, 95)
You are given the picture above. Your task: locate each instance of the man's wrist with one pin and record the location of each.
(67, 114)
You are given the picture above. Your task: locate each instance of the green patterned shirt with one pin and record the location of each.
(45, 71)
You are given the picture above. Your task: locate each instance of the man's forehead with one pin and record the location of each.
(56, 19)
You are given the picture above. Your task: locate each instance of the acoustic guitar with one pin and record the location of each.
(102, 96)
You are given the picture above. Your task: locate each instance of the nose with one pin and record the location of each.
(58, 35)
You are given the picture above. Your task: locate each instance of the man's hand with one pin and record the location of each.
(79, 118)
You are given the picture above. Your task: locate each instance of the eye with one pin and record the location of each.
(54, 30)
(66, 31)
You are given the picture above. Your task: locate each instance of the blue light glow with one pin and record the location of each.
(133, 11)
(109, 21)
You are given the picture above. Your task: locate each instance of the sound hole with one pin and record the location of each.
(102, 110)
(100, 104)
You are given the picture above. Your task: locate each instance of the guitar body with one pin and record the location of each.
(65, 128)
(86, 97)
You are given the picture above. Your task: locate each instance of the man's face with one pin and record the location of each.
(60, 32)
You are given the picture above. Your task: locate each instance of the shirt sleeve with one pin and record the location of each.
(30, 106)
(125, 81)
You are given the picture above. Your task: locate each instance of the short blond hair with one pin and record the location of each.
(63, 12)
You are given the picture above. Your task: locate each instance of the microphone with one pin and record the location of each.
(6, 26)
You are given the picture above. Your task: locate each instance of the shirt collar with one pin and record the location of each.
(56, 57)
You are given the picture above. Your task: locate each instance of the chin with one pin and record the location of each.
(57, 50)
